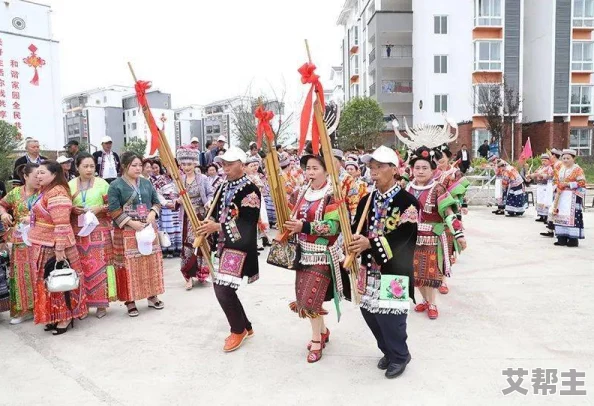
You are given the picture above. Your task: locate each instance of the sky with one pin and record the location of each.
(199, 51)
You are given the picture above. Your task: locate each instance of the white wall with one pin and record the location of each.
(539, 60)
(40, 107)
(457, 44)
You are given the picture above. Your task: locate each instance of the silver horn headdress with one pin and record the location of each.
(427, 135)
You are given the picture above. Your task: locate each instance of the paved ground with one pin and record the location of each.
(516, 301)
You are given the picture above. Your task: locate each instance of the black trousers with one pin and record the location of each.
(233, 309)
(390, 332)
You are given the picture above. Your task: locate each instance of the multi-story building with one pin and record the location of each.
(333, 89)
(377, 52)
(463, 52)
(30, 72)
(135, 125)
(91, 115)
(188, 124)
(558, 74)
(219, 117)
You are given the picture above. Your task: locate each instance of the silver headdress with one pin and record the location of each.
(427, 135)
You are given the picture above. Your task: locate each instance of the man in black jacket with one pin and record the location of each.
(483, 150)
(107, 162)
(32, 155)
(464, 157)
(387, 245)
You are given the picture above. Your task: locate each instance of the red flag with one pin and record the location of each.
(308, 75)
(141, 87)
(526, 151)
(264, 127)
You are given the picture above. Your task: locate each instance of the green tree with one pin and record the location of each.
(361, 122)
(8, 144)
(136, 145)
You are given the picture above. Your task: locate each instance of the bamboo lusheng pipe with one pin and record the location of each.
(345, 223)
(351, 257)
(199, 240)
(169, 162)
(285, 235)
(277, 191)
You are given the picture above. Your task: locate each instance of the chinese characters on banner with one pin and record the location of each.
(545, 381)
(10, 90)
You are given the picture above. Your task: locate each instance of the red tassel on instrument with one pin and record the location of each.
(264, 117)
(308, 75)
(141, 87)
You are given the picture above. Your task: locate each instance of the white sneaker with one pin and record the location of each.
(19, 320)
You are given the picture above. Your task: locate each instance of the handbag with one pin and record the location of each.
(284, 254)
(164, 239)
(62, 280)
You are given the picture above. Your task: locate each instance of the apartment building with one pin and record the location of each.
(377, 53)
(188, 124)
(91, 115)
(334, 87)
(219, 118)
(135, 125)
(558, 74)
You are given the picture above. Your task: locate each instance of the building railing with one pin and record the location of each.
(397, 86)
(397, 51)
(372, 55)
(583, 22)
(372, 89)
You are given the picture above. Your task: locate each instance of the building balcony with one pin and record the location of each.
(372, 56)
(396, 91)
(584, 23)
(390, 22)
(582, 66)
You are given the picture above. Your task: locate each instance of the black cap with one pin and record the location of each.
(70, 143)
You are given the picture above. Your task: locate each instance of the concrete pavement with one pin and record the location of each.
(515, 301)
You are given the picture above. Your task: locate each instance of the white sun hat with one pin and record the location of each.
(383, 155)
(145, 239)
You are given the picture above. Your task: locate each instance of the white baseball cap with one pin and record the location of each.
(145, 239)
(222, 138)
(106, 139)
(383, 155)
(63, 159)
(232, 154)
(194, 139)
(90, 222)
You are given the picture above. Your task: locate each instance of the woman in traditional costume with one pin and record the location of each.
(513, 192)
(543, 177)
(21, 277)
(197, 186)
(432, 260)
(318, 277)
(169, 220)
(568, 206)
(133, 205)
(214, 179)
(95, 250)
(52, 239)
(454, 181)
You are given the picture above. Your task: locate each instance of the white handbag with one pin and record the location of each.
(62, 280)
(164, 239)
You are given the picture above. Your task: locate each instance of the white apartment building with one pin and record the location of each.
(455, 52)
(93, 114)
(218, 118)
(334, 87)
(135, 125)
(30, 72)
(188, 124)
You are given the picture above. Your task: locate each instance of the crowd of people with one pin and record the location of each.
(112, 219)
(560, 194)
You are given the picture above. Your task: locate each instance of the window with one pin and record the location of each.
(479, 136)
(582, 56)
(581, 99)
(580, 139)
(440, 64)
(354, 65)
(128, 113)
(487, 55)
(488, 13)
(440, 24)
(209, 129)
(583, 13)
(104, 99)
(484, 95)
(355, 91)
(190, 115)
(441, 103)
(134, 113)
(133, 126)
(216, 129)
